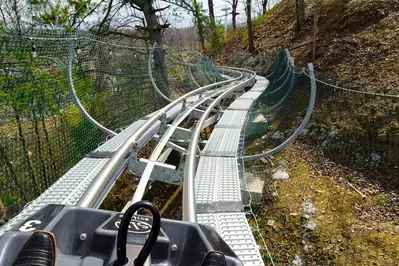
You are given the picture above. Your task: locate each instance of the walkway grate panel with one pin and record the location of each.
(236, 232)
(232, 118)
(67, 190)
(217, 179)
(220, 145)
(241, 104)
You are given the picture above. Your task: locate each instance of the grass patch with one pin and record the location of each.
(371, 248)
(340, 237)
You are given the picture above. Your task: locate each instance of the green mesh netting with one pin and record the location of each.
(43, 132)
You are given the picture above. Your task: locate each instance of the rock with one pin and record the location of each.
(304, 132)
(280, 175)
(325, 143)
(259, 119)
(310, 225)
(306, 247)
(271, 223)
(282, 164)
(297, 261)
(333, 133)
(308, 210)
(278, 135)
(375, 157)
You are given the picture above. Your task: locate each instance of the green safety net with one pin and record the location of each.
(269, 106)
(354, 124)
(43, 132)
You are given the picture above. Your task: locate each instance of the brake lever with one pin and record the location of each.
(123, 231)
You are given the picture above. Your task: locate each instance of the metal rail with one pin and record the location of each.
(92, 194)
(75, 96)
(152, 78)
(303, 124)
(140, 190)
(191, 73)
(189, 204)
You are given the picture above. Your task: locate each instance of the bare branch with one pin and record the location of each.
(160, 9)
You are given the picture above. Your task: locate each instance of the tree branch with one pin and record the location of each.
(105, 17)
(160, 9)
(89, 13)
(127, 35)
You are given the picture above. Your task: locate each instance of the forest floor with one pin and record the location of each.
(357, 222)
(356, 218)
(356, 40)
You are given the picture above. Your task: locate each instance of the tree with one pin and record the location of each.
(67, 14)
(12, 14)
(251, 46)
(201, 22)
(300, 14)
(317, 6)
(264, 7)
(211, 13)
(233, 4)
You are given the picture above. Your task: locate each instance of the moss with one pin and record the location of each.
(371, 248)
(339, 238)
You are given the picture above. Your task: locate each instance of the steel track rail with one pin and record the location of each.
(189, 204)
(162, 143)
(300, 128)
(75, 96)
(91, 197)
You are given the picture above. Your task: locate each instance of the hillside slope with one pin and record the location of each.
(357, 40)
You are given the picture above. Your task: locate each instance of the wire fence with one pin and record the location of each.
(358, 125)
(43, 132)
(354, 124)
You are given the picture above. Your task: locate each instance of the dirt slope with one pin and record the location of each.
(357, 40)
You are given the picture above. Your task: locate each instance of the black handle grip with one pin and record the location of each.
(124, 227)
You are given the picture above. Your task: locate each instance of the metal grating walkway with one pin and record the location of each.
(221, 145)
(67, 190)
(232, 119)
(217, 180)
(217, 185)
(233, 227)
(241, 104)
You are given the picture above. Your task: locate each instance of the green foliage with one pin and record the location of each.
(3, 27)
(200, 19)
(260, 19)
(82, 142)
(65, 14)
(216, 39)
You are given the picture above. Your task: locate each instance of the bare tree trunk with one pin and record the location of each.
(49, 149)
(39, 148)
(234, 13)
(300, 15)
(317, 7)
(31, 173)
(264, 7)
(155, 34)
(211, 12)
(251, 46)
(11, 170)
(202, 41)
(15, 9)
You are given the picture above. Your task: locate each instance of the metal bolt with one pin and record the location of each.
(174, 247)
(83, 236)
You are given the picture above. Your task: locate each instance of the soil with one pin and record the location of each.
(357, 39)
(357, 220)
